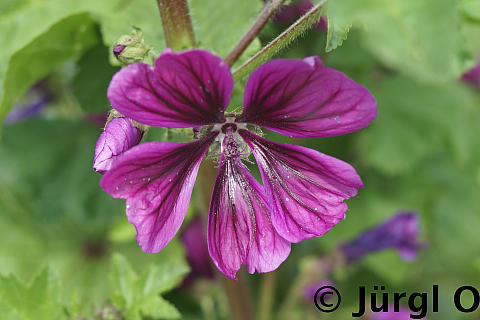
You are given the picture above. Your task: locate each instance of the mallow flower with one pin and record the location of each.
(303, 190)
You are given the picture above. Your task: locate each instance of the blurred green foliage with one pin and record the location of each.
(422, 153)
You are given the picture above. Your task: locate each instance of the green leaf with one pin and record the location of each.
(124, 15)
(471, 8)
(67, 39)
(38, 301)
(40, 36)
(139, 296)
(336, 34)
(419, 38)
(220, 24)
(91, 82)
(416, 120)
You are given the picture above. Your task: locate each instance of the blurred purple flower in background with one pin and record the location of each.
(97, 119)
(304, 190)
(37, 99)
(399, 232)
(288, 14)
(195, 241)
(472, 77)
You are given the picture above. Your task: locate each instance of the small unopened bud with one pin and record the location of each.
(130, 48)
(117, 50)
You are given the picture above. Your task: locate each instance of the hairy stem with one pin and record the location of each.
(268, 10)
(280, 42)
(177, 25)
(267, 294)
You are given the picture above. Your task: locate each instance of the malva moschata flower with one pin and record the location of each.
(303, 190)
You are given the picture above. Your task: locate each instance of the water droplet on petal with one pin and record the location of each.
(337, 119)
(170, 180)
(128, 206)
(287, 199)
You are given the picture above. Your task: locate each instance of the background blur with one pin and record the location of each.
(57, 226)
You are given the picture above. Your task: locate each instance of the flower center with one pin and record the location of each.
(228, 140)
(232, 126)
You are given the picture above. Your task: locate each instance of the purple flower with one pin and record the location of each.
(119, 135)
(288, 14)
(472, 77)
(38, 98)
(193, 237)
(304, 190)
(399, 232)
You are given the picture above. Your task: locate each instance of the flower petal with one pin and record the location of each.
(119, 135)
(240, 230)
(305, 188)
(186, 89)
(157, 180)
(304, 98)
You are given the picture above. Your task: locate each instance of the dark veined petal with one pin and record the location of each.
(240, 230)
(186, 89)
(304, 98)
(305, 188)
(156, 179)
(119, 135)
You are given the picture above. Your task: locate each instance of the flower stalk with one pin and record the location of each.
(267, 294)
(281, 42)
(268, 10)
(177, 25)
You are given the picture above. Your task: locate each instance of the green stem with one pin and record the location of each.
(238, 295)
(177, 25)
(266, 296)
(268, 10)
(280, 42)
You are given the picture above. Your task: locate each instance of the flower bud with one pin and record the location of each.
(129, 49)
(120, 134)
